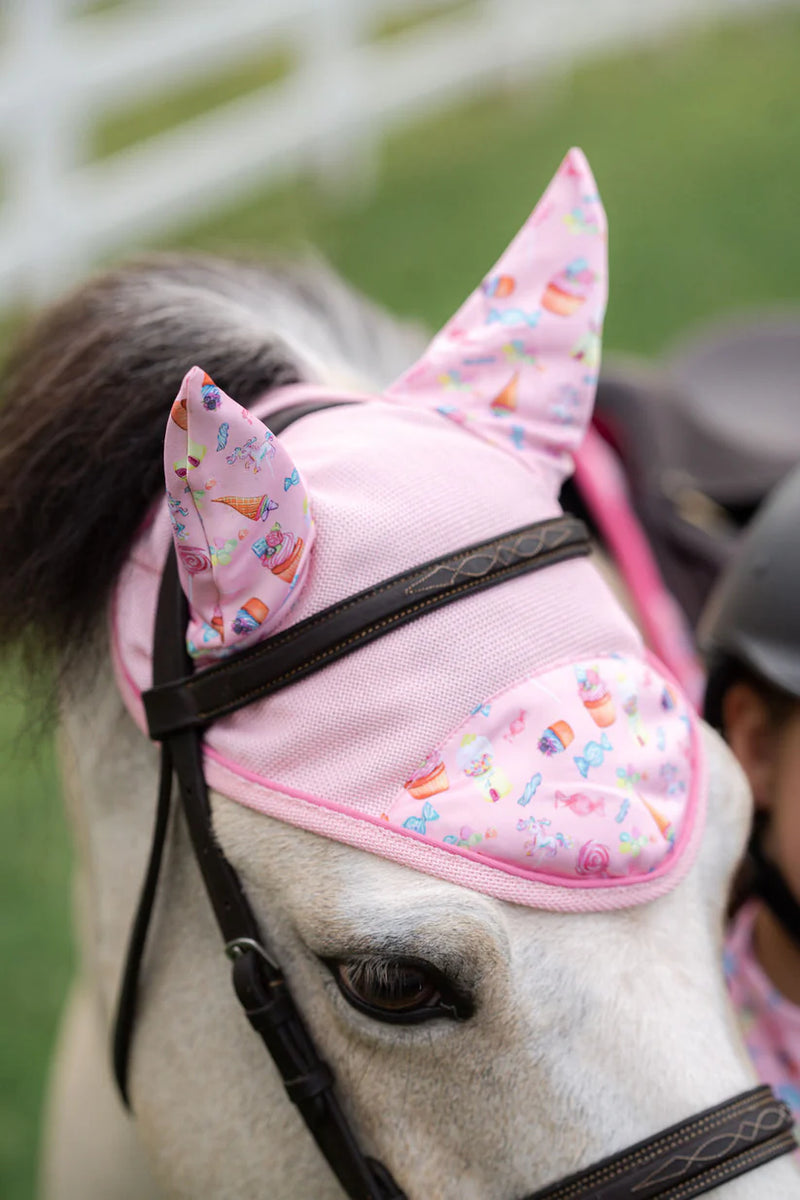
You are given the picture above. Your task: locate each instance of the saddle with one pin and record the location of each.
(701, 438)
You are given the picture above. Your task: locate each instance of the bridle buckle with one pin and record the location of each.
(239, 946)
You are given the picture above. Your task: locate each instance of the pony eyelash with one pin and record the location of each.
(375, 974)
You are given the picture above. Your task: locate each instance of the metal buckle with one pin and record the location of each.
(239, 946)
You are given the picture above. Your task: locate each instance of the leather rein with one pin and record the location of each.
(678, 1163)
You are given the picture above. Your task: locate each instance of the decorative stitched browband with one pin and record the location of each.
(287, 657)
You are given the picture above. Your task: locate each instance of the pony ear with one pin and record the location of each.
(518, 362)
(240, 518)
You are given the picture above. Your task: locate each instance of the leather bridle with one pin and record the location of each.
(676, 1164)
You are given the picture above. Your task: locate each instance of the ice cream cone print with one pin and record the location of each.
(556, 738)
(567, 291)
(218, 624)
(596, 697)
(255, 508)
(250, 615)
(281, 551)
(212, 397)
(288, 569)
(179, 415)
(661, 821)
(499, 286)
(506, 400)
(434, 779)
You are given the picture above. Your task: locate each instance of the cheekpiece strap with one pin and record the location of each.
(194, 701)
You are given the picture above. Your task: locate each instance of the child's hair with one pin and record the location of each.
(725, 670)
(750, 629)
(750, 633)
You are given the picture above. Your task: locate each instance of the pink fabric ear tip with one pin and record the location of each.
(240, 514)
(517, 365)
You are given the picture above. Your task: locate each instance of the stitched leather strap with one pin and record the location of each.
(690, 1158)
(196, 700)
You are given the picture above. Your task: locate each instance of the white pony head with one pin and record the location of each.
(514, 745)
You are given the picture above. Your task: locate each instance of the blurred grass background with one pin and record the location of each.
(694, 146)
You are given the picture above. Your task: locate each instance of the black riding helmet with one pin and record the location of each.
(751, 625)
(750, 631)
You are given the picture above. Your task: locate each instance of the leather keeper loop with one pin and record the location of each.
(269, 1017)
(305, 1087)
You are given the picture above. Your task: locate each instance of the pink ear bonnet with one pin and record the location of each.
(217, 454)
(520, 741)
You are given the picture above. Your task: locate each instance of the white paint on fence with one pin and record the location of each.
(57, 73)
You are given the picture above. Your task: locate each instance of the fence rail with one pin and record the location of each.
(345, 89)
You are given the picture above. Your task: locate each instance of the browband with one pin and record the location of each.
(194, 701)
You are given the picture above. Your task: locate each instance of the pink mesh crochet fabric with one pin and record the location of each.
(392, 483)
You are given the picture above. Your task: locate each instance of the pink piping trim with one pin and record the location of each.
(602, 485)
(485, 860)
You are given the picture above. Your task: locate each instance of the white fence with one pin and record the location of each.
(61, 68)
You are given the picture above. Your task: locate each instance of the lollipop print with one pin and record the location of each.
(194, 559)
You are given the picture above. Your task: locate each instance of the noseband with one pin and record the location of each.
(683, 1161)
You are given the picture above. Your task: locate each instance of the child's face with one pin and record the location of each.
(782, 840)
(770, 756)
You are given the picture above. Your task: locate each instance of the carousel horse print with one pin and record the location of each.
(252, 454)
(564, 1009)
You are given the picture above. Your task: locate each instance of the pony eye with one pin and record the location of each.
(397, 990)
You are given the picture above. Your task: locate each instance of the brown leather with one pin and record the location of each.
(250, 675)
(689, 1158)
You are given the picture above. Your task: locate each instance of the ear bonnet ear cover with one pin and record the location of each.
(240, 519)
(517, 364)
(520, 741)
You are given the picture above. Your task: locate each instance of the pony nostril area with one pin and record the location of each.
(399, 990)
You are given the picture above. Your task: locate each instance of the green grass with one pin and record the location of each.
(35, 948)
(695, 151)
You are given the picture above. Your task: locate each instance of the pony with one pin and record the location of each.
(495, 1019)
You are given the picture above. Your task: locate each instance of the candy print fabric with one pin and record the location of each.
(240, 517)
(584, 774)
(769, 1022)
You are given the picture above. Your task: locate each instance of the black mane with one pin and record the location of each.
(87, 391)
